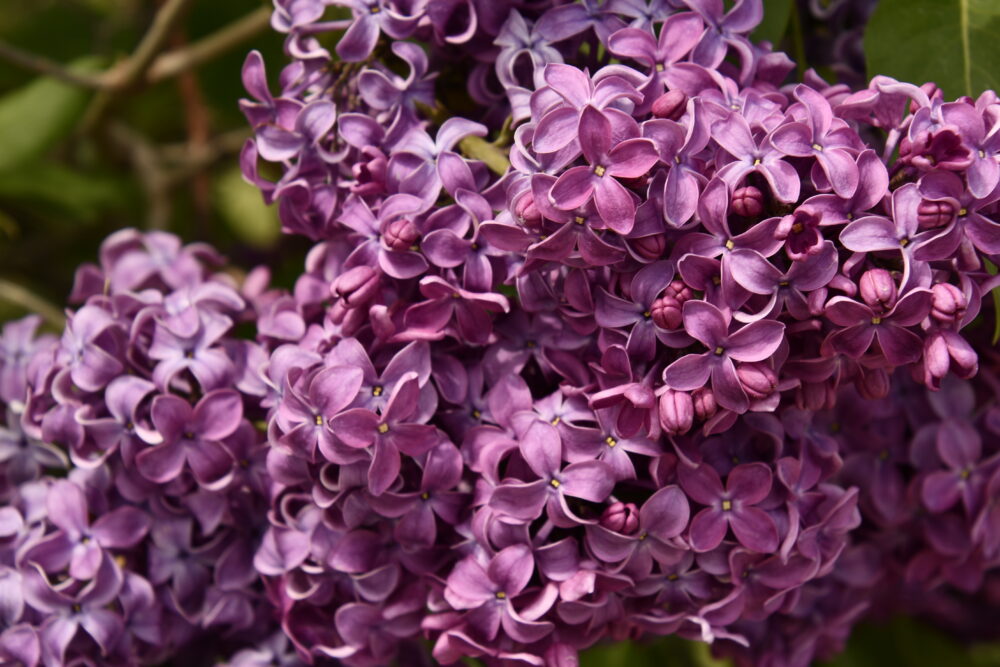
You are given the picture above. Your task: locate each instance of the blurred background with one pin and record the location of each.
(136, 126)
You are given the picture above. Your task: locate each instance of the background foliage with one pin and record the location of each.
(82, 155)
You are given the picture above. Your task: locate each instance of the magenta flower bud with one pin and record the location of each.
(356, 286)
(878, 289)
(676, 412)
(758, 379)
(873, 383)
(666, 313)
(704, 403)
(650, 247)
(748, 202)
(932, 214)
(527, 212)
(670, 105)
(401, 235)
(679, 290)
(621, 517)
(948, 304)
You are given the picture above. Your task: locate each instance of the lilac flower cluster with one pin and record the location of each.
(133, 482)
(606, 332)
(590, 394)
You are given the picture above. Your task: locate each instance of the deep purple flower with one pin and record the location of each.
(608, 160)
(709, 325)
(735, 506)
(861, 325)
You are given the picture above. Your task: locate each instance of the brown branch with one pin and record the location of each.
(149, 170)
(43, 65)
(227, 38)
(21, 296)
(134, 69)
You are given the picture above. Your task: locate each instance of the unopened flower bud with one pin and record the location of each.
(748, 202)
(650, 247)
(932, 214)
(878, 289)
(401, 235)
(666, 313)
(704, 403)
(948, 304)
(676, 412)
(679, 290)
(356, 286)
(872, 383)
(526, 212)
(758, 379)
(621, 517)
(670, 105)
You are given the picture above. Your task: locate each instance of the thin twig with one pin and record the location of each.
(43, 65)
(149, 170)
(134, 69)
(21, 296)
(206, 49)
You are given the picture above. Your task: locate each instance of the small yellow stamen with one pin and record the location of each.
(383, 428)
(476, 414)
(579, 220)
(660, 68)
(730, 245)
(375, 10)
(643, 536)
(425, 495)
(531, 345)
(904, 242)
(727, 505)
(456, 295)
(797, 228)
(599, 171)
(319, 420)
(672, 577)
(817, 147)
(555, 483)
(555, 422)
(849, 216)
(501, 595)
(377, 390)
(756, 162)
(610, 441)
(962, 212)
(719, 350)
(876, 320)
(647, 314)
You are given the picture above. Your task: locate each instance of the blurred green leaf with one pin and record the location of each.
(37, 116)
(991, 268)
(241, 206)
(66, 192)
(905, 641)
(772, 27)
(950, 42)
(670, 651)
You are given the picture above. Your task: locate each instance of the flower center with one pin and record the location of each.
(876, 320)
(319, 420)
(719, 350)
(611, 441)
(383, 428)
(579, 220)
(377, 390)
(727, 505)
(555, 483)
(599, 171)
(817, 147)
(501, 595)
(730, 245)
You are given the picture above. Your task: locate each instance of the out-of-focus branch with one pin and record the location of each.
(206, 49)
(21, 296)
(144, 159)
(42, 65)
(126, 76)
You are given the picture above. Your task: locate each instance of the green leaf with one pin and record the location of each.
(991, 268)
(37, 116)
(950, 42)
(772, 27)
(60, 191)
(241, 206)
